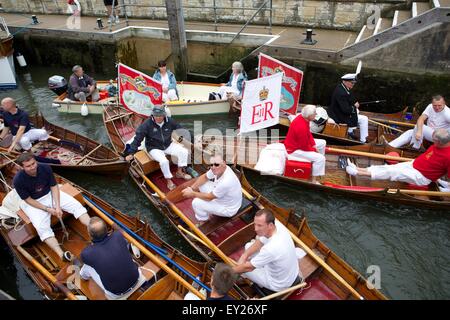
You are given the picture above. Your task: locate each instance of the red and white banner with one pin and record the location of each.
(292, 81)
(261, 103)
(138, 92)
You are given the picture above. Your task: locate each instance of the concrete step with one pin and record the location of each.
(400, 16)
(419, 7)
(444, 3)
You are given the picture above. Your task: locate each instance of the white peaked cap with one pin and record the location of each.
(349, 76)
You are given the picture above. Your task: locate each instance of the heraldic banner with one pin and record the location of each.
(292, 81)
(261, 103)
(137, 91)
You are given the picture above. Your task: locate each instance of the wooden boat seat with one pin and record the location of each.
(335, 130)
(146, 163)
(215, 222)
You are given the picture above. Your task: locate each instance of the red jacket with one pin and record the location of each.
(434, 163)
(299, 136)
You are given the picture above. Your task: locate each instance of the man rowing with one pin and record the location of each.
(270, 260)
(157, 131)
(301, 145)
(37, 186)
(345, 109)
(436, 115)
(429, 166)
(17, 122)
(216, 192)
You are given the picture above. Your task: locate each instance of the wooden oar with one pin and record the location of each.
(88, 154)
(47, 274)
(313, 255)
(148, 254)
(186, 220)
(365, 154)
(385, 125)
(192, 235)
(420, 192)
(285, 291)
(403, 124)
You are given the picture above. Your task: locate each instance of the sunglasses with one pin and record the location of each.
(214, 165)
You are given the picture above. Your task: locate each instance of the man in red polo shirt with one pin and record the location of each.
(428, 167)
(300, 144)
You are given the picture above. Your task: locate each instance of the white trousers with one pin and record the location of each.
(317, 158)
(403, 172)
(87, 272)
(363, 124)
(170, 95)
(203, 208)
(409, 137)
(30, 136)
(224, 89)
(41, 220)
(175, 149)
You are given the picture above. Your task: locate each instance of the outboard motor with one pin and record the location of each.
(57, 84)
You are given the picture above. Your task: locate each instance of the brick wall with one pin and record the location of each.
(344, 14)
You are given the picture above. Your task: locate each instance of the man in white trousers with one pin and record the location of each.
(271, 259)
(157, 131)
(436, 114)
(216, 192)
(17, 122)
(300, 144)
(36, 185)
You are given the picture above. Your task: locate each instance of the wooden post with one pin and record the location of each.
(178, 41)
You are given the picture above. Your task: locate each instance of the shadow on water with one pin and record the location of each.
(411, 246)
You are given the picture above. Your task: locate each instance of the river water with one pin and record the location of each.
(410, 246)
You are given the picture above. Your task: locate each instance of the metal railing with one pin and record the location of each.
(266, 6)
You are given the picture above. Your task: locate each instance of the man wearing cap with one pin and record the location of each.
(168, 81)
(344, 108)
(157, 131)
(436, 114)
(81, 86)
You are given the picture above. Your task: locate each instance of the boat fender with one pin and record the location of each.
(21, 60)
(84, 110)
(56, 105)
(136, 251)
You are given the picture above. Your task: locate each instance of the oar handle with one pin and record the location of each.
(46, 273)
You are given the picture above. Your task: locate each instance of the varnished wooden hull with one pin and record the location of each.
(99, 159)
(230, 235)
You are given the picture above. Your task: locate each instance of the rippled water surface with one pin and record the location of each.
(410, 245)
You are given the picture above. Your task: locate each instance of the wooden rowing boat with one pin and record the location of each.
(389, 125)
(59, 280)
(193, 100)
(337, 180)
(224, 238)
(68, 151)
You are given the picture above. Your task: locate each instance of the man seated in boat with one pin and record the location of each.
(344, 109)
(222, 280)
(168, 81)
(81, 86)
(428, 167)
(157, 131)
(17, 123)
(270, 260)
(36, 185)
(301, 145)
(436, 114)
(236, 82)
(108, 261)
(217, 192)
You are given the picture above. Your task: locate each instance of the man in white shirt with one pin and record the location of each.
(270, 260)
(217, 192)
(436, 114)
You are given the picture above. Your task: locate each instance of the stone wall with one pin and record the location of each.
(344, 14)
